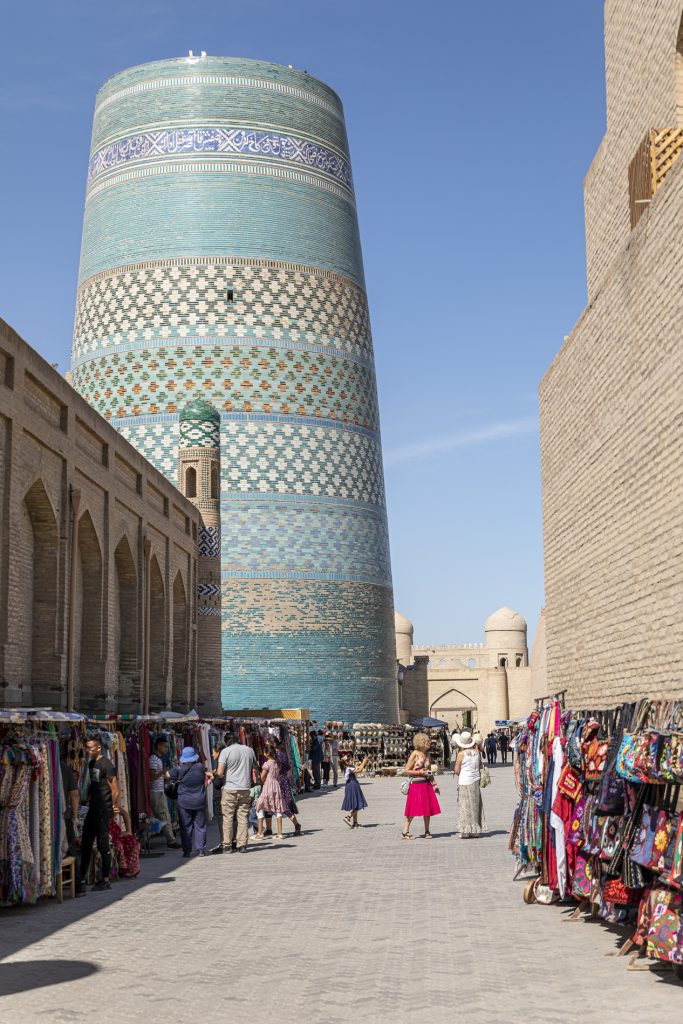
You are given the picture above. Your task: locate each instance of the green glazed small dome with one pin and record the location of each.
(200, 409)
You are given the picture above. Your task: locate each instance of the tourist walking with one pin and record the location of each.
(315, 753)
(103, 804)
(285, 778)
(504, 746)
(334, 745)
(468, 769)
(354, 798)
(491, 747)
(192, 782)
(327, 759)
(157, 774)
(237, 768)
(275, 799)
(421, 801)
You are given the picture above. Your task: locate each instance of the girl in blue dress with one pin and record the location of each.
(354, 801)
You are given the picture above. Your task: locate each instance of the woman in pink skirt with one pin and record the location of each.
(421, 800)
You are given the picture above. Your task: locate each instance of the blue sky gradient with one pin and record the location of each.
(471, 129)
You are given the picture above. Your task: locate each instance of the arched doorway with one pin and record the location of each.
(40, 572)
(88, 621)
(180, 694)
(126, 628)
(157, 638)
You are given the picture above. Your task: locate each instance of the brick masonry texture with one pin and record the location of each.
(53, 444)
(611, 408)
(221, 259)
(367, 928)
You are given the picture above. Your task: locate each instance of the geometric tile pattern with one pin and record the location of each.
(222, 289)
(209, 544)
(180, 141)
(200, 434)
(188, 299)
(132, 382)
(267, 456)
(207, 610)
(299, 539)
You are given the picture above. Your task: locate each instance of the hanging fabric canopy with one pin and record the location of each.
(429, 723)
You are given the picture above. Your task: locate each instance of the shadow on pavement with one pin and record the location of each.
(29, 974)
(21, 926)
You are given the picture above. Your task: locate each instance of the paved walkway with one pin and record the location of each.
(337, 926)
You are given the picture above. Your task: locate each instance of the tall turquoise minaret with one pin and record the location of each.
(221, 260)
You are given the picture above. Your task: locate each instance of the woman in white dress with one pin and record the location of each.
(468, 769)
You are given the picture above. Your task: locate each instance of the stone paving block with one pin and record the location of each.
(333, 927)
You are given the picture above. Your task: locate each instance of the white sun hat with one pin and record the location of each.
(465, 740)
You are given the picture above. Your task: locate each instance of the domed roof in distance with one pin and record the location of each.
(200, 409)
(402, 624)
(505, 619)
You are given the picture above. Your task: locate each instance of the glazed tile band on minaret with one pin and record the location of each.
(221, 260)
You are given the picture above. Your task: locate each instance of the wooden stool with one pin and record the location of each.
(67, 873)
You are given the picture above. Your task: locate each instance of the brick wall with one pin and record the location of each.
(641, 38)
(53, 446)
(612, 459)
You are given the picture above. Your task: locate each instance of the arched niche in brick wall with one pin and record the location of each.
(89, 619)
(157, 638)
(126, 617)
(41, 579)
(180, 695)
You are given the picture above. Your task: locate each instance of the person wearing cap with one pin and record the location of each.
(192, 782)
(468, 769)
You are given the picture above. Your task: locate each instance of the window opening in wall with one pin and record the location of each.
(191, 482)
(231, 295)
(518, 661)
(502, 662)
(471, 663)
(214, 481)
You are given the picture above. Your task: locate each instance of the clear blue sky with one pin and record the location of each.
(471, 128)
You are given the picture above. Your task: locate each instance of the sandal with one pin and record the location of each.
(407, 835)
(297, 829)
(348, 821)
(427, 835)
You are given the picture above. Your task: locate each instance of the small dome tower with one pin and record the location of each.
(505, 631)
(199, 473)
(404, 639)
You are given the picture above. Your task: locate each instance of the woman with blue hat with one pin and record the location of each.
(192, 781)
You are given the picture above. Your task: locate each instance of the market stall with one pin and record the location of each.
(599, 817)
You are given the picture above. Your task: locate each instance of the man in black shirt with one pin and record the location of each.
(103, 802)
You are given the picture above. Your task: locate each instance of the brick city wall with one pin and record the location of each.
(612, 414)
(642, 68)
(58, 455)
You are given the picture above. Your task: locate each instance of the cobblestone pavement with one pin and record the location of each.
(339, 925)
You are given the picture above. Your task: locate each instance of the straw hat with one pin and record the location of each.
(465, 740)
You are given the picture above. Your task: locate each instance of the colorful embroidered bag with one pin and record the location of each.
(664, 937)
(573, 747)
(641, 849)
(582, 882)
(612, 836)
(614, 891)
(595, 757)
(665, 825)
(671, 758)
(630, 753)
(675, 874)
(569, 783)
(575, 833)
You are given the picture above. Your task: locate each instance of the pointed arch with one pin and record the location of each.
(157, 638)
(126, 640)
(41, 576)
(89, 617)
(180, 642)
(191, 482)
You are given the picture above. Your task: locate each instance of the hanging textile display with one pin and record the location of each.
(599, 816)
